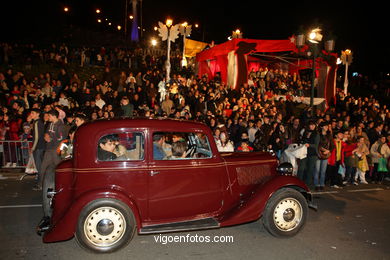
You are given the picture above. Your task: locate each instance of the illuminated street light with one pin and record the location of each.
(99, 20)
(169, 33)
(314, 37)
(119, 27)
(237, 34)
(346, 59)
(155, 28)
(169, 23)
(131, 17)
(98, 11)
(66, 9)
(153, 42)
(185, 30)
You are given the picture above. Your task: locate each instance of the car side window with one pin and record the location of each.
(127, 146)
(180, 146)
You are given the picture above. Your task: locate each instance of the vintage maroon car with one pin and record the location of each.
(153, 176)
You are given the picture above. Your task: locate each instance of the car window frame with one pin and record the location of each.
(142, 147)
(169, 132)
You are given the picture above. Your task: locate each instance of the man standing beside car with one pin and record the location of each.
(38, 147)
(53, 137)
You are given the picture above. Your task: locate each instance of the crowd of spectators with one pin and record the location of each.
(250, 118)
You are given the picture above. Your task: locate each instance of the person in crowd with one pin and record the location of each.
(379, 150)
(38, 142)
(80, 119)
(127, 107)
(325, 148)
(350, 159)
(53, 136)
(26, 138)
(293, 132)
(310, 138)
(278, 140)
(65, 148)
(244, 147)
(224, 144)
(361, 152)
(336, 161)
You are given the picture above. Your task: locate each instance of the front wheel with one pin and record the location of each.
(105, 225)
(285, 213)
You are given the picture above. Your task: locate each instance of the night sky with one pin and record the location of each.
(357, 26)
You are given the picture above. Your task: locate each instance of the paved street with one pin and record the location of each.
(352, 223)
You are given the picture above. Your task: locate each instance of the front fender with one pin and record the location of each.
(65, 227)
(252, 208)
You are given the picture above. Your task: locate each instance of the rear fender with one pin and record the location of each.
(65, 227)
(252, 208)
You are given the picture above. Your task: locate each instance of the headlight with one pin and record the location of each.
(285, 168)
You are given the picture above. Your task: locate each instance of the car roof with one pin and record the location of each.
(155, 124)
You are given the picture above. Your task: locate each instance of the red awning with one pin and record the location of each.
(259, 46)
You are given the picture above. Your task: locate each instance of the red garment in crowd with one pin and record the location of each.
(14, 129)
(333, 154)
(239, 149)
(349, 148)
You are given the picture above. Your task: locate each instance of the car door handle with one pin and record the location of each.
(152, 173)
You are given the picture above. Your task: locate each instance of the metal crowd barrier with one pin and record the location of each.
(14, 154)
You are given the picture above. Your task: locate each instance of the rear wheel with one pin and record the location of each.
(105, 225)
(285, 213)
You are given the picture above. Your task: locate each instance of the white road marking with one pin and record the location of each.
(375, 189)
(21, 206)
(338, 191)
(325, 192)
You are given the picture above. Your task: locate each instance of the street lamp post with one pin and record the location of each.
(168, 32)
(346, 58)
(185, 30)
(314, 38)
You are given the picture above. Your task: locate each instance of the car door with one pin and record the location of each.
(185, 188)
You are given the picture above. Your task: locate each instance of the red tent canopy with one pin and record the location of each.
(231, 60)
(259, 46)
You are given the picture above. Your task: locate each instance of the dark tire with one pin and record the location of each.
(285, 213)
(105, 225)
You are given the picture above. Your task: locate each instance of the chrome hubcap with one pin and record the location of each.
(287, 214)
(104, 226)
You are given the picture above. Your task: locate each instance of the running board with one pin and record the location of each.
(205, 223)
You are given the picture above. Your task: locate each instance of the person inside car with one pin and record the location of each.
(179, 150)
(158, 152)
(106, 148)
